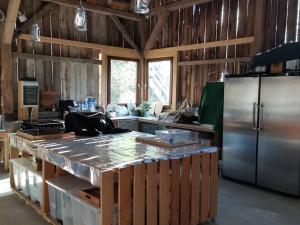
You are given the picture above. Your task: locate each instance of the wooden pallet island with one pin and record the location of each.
(169, 190)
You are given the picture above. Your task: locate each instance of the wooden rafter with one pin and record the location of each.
(212, 44)
(39, 14)
(12, 12)
(54, 58)
(176, 6)
(98, 9)
(213, 61)
(124, 32)
(122, 52)
(156, 30)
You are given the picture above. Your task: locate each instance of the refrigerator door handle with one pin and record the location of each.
(261, 117)
(254, 121)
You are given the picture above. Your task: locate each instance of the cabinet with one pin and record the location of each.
(127, 124)
(149, 128)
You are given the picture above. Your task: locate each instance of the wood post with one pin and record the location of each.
(107, 197)
(7, 103)
(48, 172)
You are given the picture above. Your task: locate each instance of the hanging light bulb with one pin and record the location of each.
(80, 19)
(35, 32)
(141, 6)
(35, 29)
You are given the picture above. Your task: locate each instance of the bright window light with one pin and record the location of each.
(159, 75)
(123, 81)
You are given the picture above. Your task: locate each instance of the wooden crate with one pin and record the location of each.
(91, 195)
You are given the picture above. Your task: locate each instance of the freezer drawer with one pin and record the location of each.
(279, 139)
(240, 134)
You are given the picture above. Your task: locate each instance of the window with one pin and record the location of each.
(159, 81)
(123, 80)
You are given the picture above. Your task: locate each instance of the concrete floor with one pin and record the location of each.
(238, 205)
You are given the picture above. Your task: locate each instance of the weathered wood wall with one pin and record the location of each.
(221, 20)
(213, 21)
(69, 80)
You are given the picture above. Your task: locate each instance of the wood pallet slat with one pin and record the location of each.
(139, 195)
(152, 194)
(164, 192)
(125, 200)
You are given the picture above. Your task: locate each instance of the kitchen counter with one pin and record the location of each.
(154, 120)
(117, 163)
(87, 157)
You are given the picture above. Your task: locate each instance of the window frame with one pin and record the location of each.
(109, 59)
(171, 59)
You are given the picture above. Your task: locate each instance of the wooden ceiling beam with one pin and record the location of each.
(214, 61)
(99, 9)
(12, 12)
(124, 32)
(19, 55)
(176, 6)
(39, 14)
(213, 44)
(156, 30)
(110, 50)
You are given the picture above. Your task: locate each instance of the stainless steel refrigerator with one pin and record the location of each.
(261, 139)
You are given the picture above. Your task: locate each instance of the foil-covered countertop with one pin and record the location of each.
(87, 157)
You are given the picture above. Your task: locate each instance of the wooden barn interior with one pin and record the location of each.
(149, 112)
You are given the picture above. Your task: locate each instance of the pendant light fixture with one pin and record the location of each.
(80, 19)
(35, 29)
(142, 6)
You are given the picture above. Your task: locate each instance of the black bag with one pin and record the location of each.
(91, 125)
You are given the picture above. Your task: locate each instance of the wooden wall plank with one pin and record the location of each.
(175, 191)
(139, 195)
(125, 200)
(281, 22)
(107, 197)
(164, 192)
(291, 21)
(152, 195)
(213, 185)
(204, 204)
(185, 193)
(195, 190)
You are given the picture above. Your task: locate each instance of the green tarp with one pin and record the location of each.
(211, 105)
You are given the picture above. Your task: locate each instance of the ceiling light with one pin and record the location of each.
(141, 6)
(35, 32)
(35, 29)
(80, 19)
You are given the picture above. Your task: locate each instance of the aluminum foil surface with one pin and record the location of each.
(87, 157)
